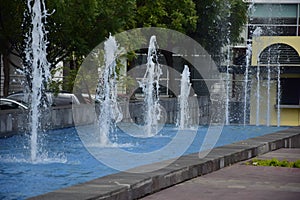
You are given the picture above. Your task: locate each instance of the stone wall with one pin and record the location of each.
(198, 110)
(12, 122)
(15, 121)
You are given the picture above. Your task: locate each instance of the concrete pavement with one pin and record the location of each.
(240, 181)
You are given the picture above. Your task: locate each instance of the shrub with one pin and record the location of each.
(296, 164)
(274, 162)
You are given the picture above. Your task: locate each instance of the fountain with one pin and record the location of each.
(26, 178)
(257, 94)
(106, 94)
(256, 33)
(227, 87)
(36, 48)
(246, 80)
(278, 93)
(268, 92)
(150, 87)
(80, 165)
(185, 85)
(268, 114)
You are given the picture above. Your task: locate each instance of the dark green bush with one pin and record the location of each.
(296, 164)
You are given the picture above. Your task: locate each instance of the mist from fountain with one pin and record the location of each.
(106, 94)
(35, 51)
(150, 88)
(185, 86)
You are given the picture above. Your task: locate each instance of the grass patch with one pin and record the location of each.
(274, 162)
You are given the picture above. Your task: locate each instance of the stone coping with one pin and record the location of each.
(128, 185)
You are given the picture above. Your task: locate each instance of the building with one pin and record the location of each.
(275, 33)
(268, 64)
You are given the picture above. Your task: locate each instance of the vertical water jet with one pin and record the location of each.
(185, 86)
(278, 94)
(268, 94)
(227, 87)
(246, 80)
(106, 94)
(37, 68)
(150, 88)
(258, 94)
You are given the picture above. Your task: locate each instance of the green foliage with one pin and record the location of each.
(76, 27)
(220, 22)
(274, 163)
(72, 25)
(176, 15)
(296, 164)
(70, 80)
(11, 19)
(284, 163)
(55, 85)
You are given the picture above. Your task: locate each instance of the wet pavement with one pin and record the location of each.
(241, 181)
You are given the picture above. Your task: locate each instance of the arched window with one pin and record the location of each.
(279, 54)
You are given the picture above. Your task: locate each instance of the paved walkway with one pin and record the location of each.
(240, 181)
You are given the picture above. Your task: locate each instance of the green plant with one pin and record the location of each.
(284, 163)
(296, 164)
(274, 163)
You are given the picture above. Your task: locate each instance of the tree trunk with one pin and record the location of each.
(6, 67)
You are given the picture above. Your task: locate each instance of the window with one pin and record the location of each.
(275, 10)
(279, 54)
(274, 19)
(290, 88)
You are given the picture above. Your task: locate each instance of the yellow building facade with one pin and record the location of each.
(267, 92)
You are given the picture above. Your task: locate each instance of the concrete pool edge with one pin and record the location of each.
(126, 185)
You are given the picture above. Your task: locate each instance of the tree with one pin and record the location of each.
(177, 15)
(220, 22)
(74, 28)
(11, 15)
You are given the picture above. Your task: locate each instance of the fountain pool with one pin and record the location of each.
(67, 162)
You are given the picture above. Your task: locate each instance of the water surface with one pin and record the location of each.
(64, 160)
